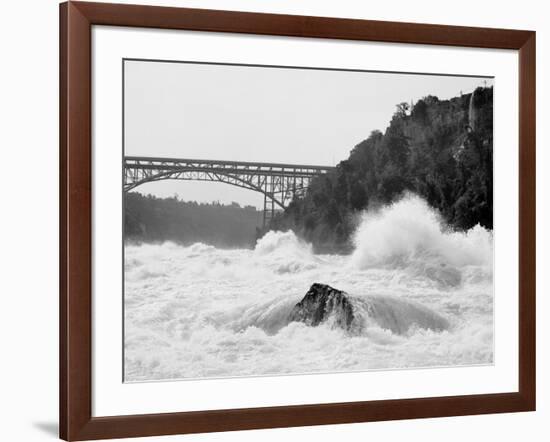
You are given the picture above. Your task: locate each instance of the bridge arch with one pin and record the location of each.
(279, 183)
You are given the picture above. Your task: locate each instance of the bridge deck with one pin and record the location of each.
(238, 166)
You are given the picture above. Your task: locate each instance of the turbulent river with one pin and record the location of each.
(199, 311)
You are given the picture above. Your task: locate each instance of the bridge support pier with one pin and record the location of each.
(269, 212)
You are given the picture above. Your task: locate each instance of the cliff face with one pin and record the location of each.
(441, 150)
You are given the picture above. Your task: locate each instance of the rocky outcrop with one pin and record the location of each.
(472, 111)
(325, 304)
(321, 303)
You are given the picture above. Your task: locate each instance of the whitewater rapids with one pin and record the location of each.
(200, 312)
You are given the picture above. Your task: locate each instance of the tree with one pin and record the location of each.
(402, 109)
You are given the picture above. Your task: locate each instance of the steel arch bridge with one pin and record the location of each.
(279, 183)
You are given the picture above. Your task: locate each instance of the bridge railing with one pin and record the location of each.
(157, 162)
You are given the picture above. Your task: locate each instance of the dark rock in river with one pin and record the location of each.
(321, 302)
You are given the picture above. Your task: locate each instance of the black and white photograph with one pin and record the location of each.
(287, 220)
(244, 220)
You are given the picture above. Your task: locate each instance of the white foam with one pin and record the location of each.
(409, 230)
(199, 311)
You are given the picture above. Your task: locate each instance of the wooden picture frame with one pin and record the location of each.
(76, 21)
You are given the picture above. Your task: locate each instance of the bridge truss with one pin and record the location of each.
(279, 183)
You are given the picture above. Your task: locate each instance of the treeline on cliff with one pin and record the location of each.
(152, 219)
(441, 150)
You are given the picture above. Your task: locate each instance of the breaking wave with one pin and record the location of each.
(422, 296)
(383, 312)
(410, 234)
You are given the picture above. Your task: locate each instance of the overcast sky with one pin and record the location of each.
(299, 116)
